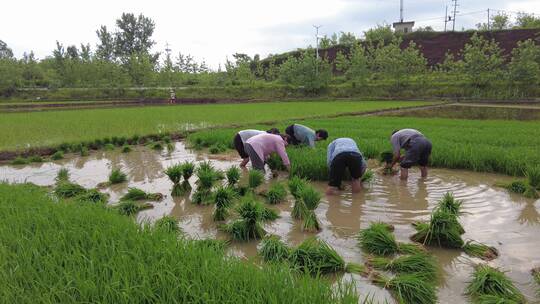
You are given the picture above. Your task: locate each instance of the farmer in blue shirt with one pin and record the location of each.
(343, 153)
(300, 134)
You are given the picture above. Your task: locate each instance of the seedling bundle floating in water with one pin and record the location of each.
(444, 230)
(490, 285)
(136, 194)
(378, 239)
(233, 176)
(310, 198)
(255, 179)
(276, 194)
(409, 288)
(223, 199)
(249, 226)
(207, 176)
(115, 177)
(422, 263)
(296, 184)
(130, 208)
(529, 188)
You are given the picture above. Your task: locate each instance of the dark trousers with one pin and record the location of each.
(292, 138)
(346, 160)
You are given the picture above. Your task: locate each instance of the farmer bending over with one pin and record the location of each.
(417, 151)
(344, 153)
(240, 139)
(259, 148)
(300, 134)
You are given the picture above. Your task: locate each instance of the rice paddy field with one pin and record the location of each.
(179, 222)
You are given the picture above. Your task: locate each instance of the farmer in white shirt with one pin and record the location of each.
(417, 151)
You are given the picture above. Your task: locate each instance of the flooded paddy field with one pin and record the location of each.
(475, 111)
(508, 222)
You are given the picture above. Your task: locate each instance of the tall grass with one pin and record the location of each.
(57, 252)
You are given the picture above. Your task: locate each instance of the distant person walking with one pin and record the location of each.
(259, 148)
(417, 151)
(172, 96)
(240, 139)
(343, 153)
(300, 134)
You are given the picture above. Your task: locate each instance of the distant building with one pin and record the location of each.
(404, 27)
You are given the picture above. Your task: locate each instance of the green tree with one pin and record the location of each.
(347, 38)
(105, 48)
(354, 66)
(380, 34)
(482, 61)
(525, 64)
(306, 71)
(5, 51)
(500, 21)
(527, 21)
(134, 37)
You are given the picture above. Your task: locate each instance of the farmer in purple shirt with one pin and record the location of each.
(417, 151)
(259, 148)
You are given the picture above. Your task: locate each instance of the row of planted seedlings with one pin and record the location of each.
(530, 187)
(155, 142)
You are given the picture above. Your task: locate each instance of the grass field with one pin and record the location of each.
(508, 147)
(31, 129)
(66, 252)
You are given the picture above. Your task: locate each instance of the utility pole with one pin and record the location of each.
(445, 17)
(317, 27)
(401, 11)
(489, 25)
(454, 18)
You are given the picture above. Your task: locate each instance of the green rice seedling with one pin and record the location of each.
(217, 245)
(130, 208)
(66, 189)
(533, 177)
(84, 151)
(491, 299)
(223, 199)
(269, 214)
(531, 192)
(480, 250)
(170, 148)
(35, 159)
(368, 176)
(409, 288)
(174, 173)
(386, 157)
(62, 175)
(416, 263)
(316, 257)
(299, 209)
(233, 176)
(126, 149)
(202, 197)
(311, 199)
(117, 176)
(272, 249)
(255, 179)
(136, 194)
(108, 147)
(275, 163)
(295, 185)
(378, 239)
(536, 276)
(166, 139)
(156, 146)
(249, 226)
(206, 179)
(92, 196)
(276, 194)
(518, 187)
(450, 204)
(442, 230)
(20, 161)
(57, 155)
(489, 281)
(187, 170)
(216, 149)
(168, 224)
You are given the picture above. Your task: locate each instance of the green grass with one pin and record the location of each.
(58, 252)
(55, 127)
(508, 147)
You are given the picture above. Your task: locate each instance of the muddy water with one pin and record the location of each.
(508, 222)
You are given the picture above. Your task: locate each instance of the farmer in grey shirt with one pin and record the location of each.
(417, 150)
(342, 154)
(300, 134)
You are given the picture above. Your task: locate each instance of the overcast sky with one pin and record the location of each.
(212, 30)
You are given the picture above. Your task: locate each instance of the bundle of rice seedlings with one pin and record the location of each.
(57, 155)
(233, 176)
(248, 227)
(450, 204)
(378, 239)
(410, 288)
(490, 299)
(533, 177)
(84, 151)
(108, 147)
(316, 257)
(274, 250)
(117, 176)
(66, 189)
(276, 194)
(275, 163)
(62, 175)
(311, 199)
(20, 161)
(442, 230)
(223, 199)
(416, 263)
(35, 159)
(126, 149)
(531, 192)
(368, 176)
(386, 157)
(489, 281)
(255, 179)
(170, 148)
(174, 173)
(92, 196)
(156, 146)
(479, 250)
(295, 185)
(187, 170)
(269, 214)
(136, 194)
(217, 148)
(130, 208)
(168, 224)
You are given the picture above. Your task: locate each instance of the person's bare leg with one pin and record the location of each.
(356, 185)
(244, 162)
(424, 171)
(404, 173)
(332, 190)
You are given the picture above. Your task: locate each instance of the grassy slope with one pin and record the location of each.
(507, 147)
(64, 253)
(54, 127)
